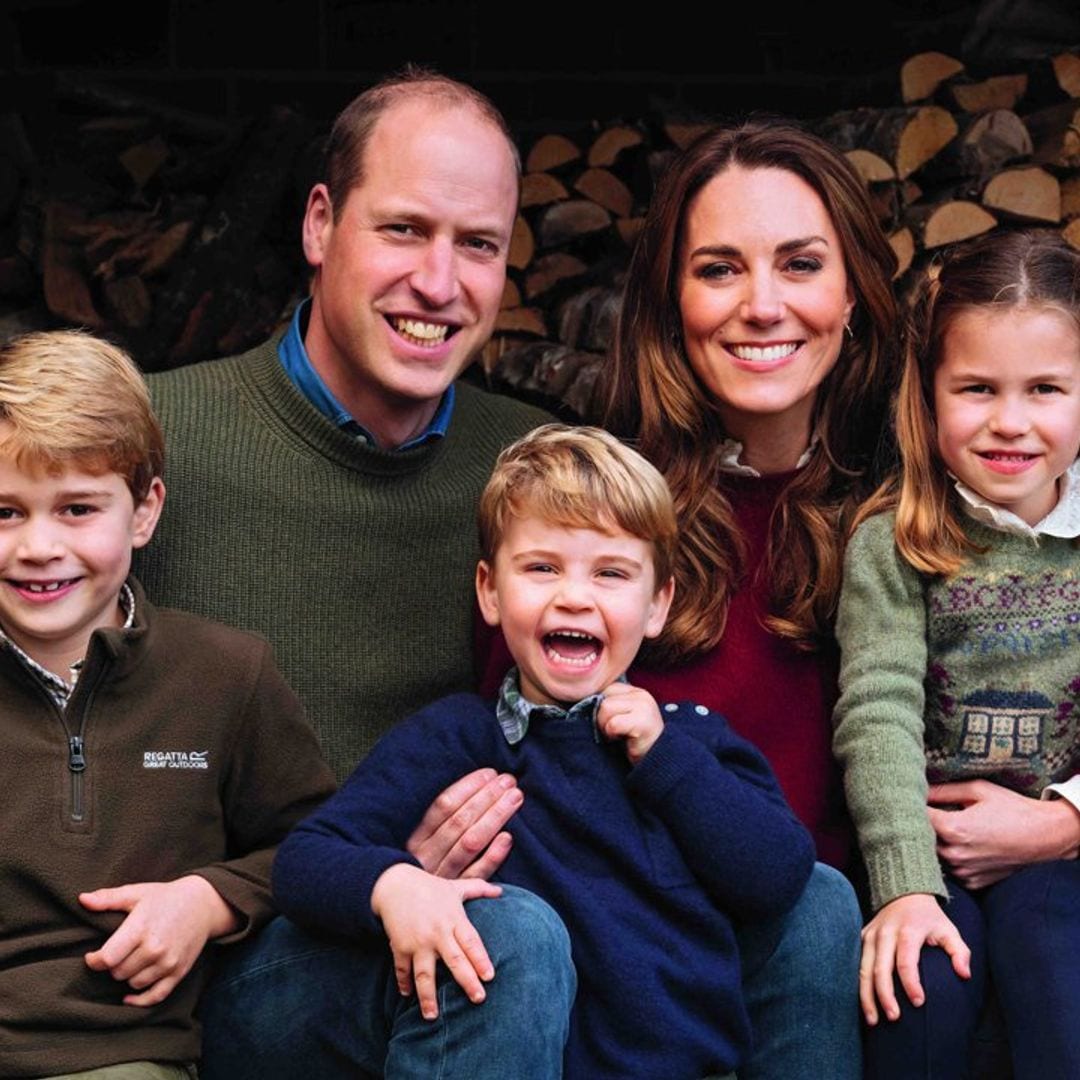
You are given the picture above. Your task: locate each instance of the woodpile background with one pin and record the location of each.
(178, 234)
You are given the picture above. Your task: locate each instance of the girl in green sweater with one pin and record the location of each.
(958, 720)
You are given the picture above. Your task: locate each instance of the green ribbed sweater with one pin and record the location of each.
(974, 675)
(357, 564)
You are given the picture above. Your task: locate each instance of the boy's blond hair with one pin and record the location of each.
(67, 397)
(579, 477)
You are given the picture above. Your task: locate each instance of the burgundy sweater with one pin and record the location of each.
(773, 695)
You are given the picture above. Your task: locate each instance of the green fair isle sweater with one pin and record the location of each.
(356, 563)
(975, 675)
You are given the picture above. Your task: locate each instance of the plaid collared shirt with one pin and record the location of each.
(515, 712)
(57, 688)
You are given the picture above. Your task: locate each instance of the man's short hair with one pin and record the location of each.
(67, 397)
(354, 125)
(580, 478)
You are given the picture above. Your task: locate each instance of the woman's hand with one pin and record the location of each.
(892, 941)
(996, 831)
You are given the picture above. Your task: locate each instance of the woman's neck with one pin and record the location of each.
(770, 443)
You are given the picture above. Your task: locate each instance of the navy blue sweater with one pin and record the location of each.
(647, 865)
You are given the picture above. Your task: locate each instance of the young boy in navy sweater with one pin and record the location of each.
(647, 827)
(150, 760)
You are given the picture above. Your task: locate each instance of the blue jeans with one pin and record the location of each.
(801, 985)
(293, 1004)
(1024, 936)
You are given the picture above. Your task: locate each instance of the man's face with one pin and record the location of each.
(411, 274)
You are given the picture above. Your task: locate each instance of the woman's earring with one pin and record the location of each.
(847, 330)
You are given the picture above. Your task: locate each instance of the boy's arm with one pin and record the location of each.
(325, 872)
(275, 776)
(168, 924)
(717, 796)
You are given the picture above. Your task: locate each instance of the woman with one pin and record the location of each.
(753, 360)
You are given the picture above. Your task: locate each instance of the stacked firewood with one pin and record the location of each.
(177, 234)
(957, 157)
(171, 232)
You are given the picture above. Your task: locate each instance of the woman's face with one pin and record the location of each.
(764, 296)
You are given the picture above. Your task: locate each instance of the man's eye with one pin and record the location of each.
(482, 245)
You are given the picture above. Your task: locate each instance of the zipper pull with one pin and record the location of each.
(76, 759)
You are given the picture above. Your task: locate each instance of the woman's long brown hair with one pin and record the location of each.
(650, 394)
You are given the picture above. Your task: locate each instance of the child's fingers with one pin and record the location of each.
(884, 968)
(867, 999)
(403, 972)
(423, 974)
(908, 949)
(118, 947)
(957, 949)
(155, 994)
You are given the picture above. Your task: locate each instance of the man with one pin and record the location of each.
(325, 485)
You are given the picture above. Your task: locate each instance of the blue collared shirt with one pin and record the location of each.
(298, 366)
(514, 711)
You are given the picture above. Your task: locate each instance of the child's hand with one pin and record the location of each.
(425, 920)
(167, 925)
(630, 713)
(893, 939)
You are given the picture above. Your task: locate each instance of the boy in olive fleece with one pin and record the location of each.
(151, 760)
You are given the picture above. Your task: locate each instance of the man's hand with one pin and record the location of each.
(630, 713)
(892, 941)
(996, 830)
(424, 918)
(461, 833)
(167, 926)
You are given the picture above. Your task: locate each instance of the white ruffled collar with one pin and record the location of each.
(1062, 522)
(731, 452)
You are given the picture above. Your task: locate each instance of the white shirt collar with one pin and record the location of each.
(1063, 521)
(731, 453)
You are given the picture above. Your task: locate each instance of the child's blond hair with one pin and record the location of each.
(579, 477)
(1024, 269)
(67, 397)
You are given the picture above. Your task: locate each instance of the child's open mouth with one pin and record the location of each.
(572, 647)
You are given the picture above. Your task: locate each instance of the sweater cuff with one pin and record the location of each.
(901, 870)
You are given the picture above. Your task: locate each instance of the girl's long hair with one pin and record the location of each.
(1033, 268)
(650, 394)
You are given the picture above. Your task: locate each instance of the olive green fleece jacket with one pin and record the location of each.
(196, 759)
(960, 677)
(356, 563)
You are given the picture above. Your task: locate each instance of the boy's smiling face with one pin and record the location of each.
(65, 549)
(573, 604)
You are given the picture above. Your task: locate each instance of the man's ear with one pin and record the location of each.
(318, 224)
(486, 595)
(658, 609)
(145, 518)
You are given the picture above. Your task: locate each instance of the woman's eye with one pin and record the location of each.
(804, 264)
(712, 271)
